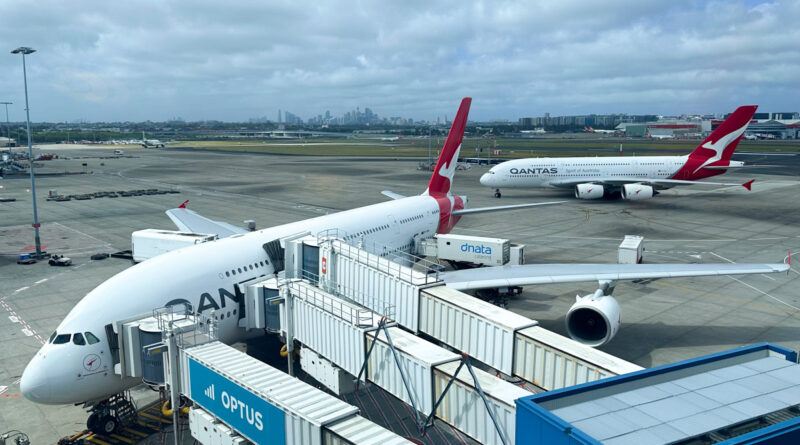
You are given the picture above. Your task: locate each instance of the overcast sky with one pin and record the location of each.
(233, 60)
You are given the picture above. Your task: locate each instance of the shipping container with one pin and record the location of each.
(631, 250)
(516, 254)
(551, 361)
(417, 357)
(463, 407)
(266, 400)
(357, 430)
(385, 287)
(149, 243)
(482, 330)
(331, 326)
(473, 249)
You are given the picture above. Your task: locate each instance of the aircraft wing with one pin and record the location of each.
(189, 221)
(500, 208)
(392, 194)
(527, 274)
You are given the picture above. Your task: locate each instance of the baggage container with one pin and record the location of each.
(631, 250)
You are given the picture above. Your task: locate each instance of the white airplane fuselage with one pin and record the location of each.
(204, 275)
(550, 172)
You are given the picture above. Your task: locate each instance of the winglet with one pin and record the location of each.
(183, 206)
(749, 184)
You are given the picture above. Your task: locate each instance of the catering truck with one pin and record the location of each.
(153, 242)
(472, 250)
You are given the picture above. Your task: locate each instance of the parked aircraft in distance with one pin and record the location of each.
(391, 139)
(76, 365)
(151, 143)
(634, 177)
(592, 130)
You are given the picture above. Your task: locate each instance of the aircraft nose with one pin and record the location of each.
(486, 179)
(35, 384)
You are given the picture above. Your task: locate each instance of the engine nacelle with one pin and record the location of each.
(635, 192)
(594, 319)
(589, 191)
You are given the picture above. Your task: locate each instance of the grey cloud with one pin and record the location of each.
(233, 60)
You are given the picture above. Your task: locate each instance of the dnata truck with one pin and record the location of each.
(473, 250)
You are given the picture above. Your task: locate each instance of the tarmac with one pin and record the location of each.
(663, 321)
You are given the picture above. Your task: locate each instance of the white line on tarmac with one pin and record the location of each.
(42, 280)
(764, 293)
(722, 257)
(21, 289)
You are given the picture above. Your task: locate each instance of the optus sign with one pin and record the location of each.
(249, 414)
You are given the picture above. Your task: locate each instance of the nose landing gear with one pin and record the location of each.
(108, 415)
(497, 193)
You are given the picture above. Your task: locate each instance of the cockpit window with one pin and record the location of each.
(78, 339)
(52, 337)
(91, 339)
(61, 339)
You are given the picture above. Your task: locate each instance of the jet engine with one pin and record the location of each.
(594, 319)
(589, 191)
(635, 192)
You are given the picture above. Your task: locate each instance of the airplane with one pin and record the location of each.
(660, 136)
(151, 143)
(534, 131)
(75, 366)
(592, 130)
(391, 139)
(634, 177)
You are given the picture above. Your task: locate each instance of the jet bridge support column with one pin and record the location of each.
(174, 377)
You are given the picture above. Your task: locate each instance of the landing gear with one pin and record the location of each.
(108, 415)
(497, 193)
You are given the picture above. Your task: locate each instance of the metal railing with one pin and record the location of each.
(356, 316)
(404, 265)
(192, 329)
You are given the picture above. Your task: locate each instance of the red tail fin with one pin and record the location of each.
(442, 178)
(749, 184)
(718, 147)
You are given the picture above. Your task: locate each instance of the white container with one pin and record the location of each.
(332, 327)
(631, 250)
(551, 361)
(417, 357)
(306, 409)
(360, 431)
(374, 282)
(149, 243)
(470, 325)
(516, 254)
(473, 249)
(463, 407)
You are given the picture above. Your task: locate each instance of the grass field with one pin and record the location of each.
(473, 147)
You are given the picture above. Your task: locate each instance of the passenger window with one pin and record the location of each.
(233, 272)
(90, 338)
(61, 339)
(78, 339)
(240, 270)
(227, 273)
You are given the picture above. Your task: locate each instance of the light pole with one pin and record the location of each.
(8, 127)
(24, 51)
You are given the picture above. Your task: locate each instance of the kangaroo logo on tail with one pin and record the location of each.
(442, 178)
(716, 150)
